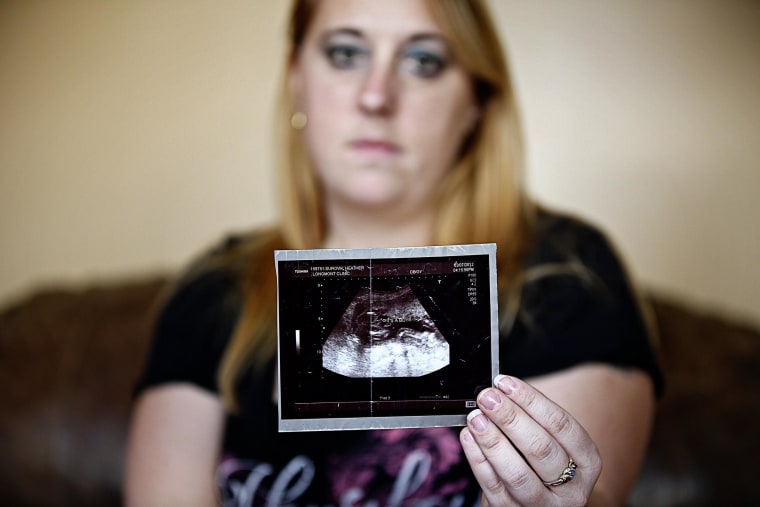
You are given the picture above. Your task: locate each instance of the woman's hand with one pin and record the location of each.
(519, 441)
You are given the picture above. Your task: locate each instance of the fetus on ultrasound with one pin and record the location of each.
(385, 334)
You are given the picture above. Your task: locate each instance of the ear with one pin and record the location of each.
(470, 121)
(472, 118)
(295, 83)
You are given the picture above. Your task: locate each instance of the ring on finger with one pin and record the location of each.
(566, 476)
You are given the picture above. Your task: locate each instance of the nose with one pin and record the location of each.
(377, 95)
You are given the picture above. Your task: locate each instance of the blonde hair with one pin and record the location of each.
(480, 201)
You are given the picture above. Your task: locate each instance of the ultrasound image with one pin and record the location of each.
(385, 334)
(384, 338)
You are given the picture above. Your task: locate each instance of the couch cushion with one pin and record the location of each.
(68, 362)
(705, 442)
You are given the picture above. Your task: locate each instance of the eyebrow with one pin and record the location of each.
(342, 31)
(354, 32)
(429, 36)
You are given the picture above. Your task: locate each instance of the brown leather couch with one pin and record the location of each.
(69, 359)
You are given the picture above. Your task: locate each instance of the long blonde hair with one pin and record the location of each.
(481, 199)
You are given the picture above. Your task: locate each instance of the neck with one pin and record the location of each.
(369, 228)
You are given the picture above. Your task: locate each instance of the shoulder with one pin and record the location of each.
(213, 284)
(577, 257)
(564, 237)
(229, 257)
(578, 303)
(199, 314)
(573, 278)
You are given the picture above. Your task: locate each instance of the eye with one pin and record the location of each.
(425, 64)
(344, 56)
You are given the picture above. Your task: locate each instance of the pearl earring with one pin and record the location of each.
(298, 120)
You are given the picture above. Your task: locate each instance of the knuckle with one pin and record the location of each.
(527, 398)
(520, 478)
(559, 422)
(509, 417)
(478, 461)
(494, 486)
(542, 449)
(596, 464)
(492, 444)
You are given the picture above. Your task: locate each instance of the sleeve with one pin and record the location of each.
(582, 310)
(192, 332)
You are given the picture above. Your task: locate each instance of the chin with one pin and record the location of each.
(373, 200)
(376, 192)
(376, 202)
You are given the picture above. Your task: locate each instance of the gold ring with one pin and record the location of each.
(566, 476)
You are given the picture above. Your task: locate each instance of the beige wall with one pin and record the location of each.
(134, 132)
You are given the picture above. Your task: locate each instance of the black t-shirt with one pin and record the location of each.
(582, 311)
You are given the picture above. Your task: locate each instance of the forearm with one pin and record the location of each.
(616, 406)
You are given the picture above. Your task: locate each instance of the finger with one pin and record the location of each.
(490, 484)
(507, 472)
(554, 419)
(539, 448)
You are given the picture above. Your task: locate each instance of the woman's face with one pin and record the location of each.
(387, 104)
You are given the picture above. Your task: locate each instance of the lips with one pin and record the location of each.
(376, 146)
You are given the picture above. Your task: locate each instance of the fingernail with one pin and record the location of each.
(477, 420)
(506, 384)
(489, 399)
(467, 436)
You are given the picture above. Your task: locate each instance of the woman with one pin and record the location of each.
(403, 132)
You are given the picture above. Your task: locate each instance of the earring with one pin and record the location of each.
(298, 120)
